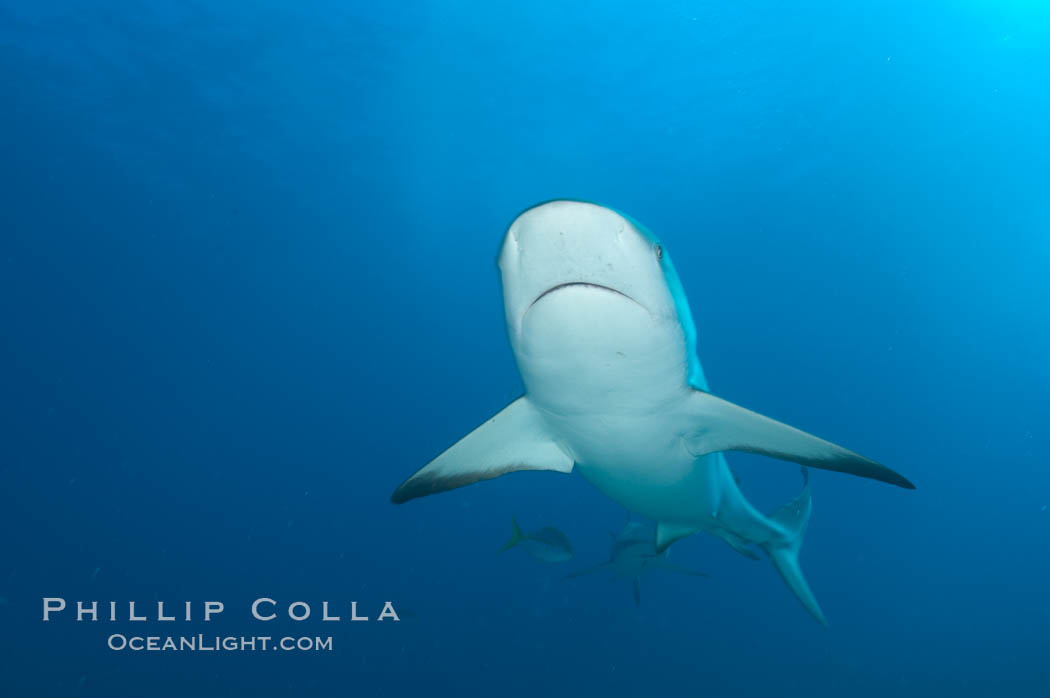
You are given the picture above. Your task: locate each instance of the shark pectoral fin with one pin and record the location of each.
(515, 439)
(723, 426)
(667, 533)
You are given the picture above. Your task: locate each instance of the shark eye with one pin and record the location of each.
(659, 252)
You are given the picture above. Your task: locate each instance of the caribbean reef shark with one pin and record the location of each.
(606, 346)
(632, 554)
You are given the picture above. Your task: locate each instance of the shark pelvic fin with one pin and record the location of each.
(723, 426)
(515, 439)
(667, 533)
(794, 518)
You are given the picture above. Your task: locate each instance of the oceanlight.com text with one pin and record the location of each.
(214, 643)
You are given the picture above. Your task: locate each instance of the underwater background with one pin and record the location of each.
(247, 287)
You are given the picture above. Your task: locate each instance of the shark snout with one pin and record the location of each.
(571, 257)
(569, 230)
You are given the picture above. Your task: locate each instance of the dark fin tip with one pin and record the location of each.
(899, 480)
(428, 483)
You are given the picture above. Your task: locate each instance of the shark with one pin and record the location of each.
(632, 554)
(606, 346)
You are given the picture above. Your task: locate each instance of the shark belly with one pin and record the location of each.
(608, 377)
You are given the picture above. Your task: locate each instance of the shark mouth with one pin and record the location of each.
(583, 284)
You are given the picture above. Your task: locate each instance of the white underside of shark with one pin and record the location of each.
(606, 348)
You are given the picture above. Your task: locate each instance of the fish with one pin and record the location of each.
(606, 346)
(633, 553)
(548, 544)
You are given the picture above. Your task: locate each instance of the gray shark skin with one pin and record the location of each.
(606, 347)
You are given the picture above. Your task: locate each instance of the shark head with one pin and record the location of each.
(584, 280)
(580, 248)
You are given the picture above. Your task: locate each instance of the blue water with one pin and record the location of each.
(247, 287)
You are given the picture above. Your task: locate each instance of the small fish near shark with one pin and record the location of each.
(633, 553)
(548, 544)
(605, 344)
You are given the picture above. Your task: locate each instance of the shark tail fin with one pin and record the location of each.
(516, 536)
(794, 518)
